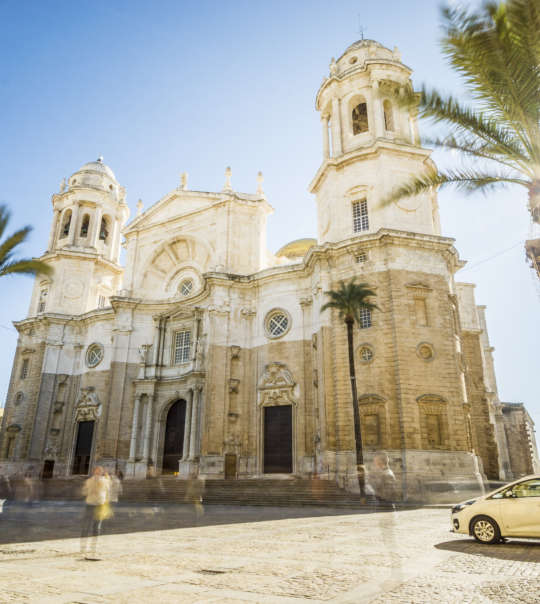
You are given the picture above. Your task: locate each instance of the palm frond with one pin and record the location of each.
(488, 48)
(469, 181)
(349, 298)
(7, 247)
(467, 121)
(27, 266)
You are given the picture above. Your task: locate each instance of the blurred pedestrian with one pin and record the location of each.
(116, 486)
(383, 484)
(97, 495)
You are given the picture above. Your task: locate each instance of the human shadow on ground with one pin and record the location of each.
(41, 521)
(511, 550)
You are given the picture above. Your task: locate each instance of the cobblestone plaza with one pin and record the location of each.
(224, 554)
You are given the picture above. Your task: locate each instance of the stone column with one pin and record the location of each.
(97, 226)
(187, 427)
(113, 255)
(147, 428)
(325, 138)
(336, 127)
(374, 101)
(134, 426)
(73, 225)
(194, 421)
(54, 228)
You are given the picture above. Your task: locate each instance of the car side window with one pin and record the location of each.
(528, 488)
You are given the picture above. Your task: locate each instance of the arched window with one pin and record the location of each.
(104, 229)
(43, 299)
(360, 118)
(388, 116)
(84, 225)
(66, 224)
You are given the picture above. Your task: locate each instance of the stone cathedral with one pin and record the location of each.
(208, 356)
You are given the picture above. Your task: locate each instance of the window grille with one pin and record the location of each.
(24, 369)
(360, 216)
(366, 354)
(365, 318)
(361, 257)
(186, 286)
(277, 323)
(182, 347)
(360, 118)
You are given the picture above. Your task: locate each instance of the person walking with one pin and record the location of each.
(96, 490)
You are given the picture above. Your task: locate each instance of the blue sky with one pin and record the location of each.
(163, 87)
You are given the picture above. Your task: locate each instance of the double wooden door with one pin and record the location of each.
(278, 449)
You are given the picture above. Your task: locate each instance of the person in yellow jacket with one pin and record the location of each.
(96, 491)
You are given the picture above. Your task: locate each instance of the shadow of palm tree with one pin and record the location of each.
(511, 550)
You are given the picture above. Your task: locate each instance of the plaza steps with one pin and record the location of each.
(170, 490)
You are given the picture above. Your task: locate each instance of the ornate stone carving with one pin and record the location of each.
(88, 405)
(233, 385)
(276, 385)
(235, 352)
(143, 352)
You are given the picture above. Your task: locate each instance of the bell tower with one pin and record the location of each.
(370, 144)
(84, 243)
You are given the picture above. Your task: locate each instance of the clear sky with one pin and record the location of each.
(163, 87)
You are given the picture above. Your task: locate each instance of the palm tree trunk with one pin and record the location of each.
(356, 414)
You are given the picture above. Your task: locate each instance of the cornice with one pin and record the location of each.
(91, 256)
(374, 149)
(358, 69)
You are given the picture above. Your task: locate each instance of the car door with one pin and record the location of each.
(520, 509)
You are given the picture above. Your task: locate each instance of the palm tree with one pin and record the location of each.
(10, 265)
(497, 52)
(349, 300)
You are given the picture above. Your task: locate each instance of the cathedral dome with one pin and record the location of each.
(296, 249)
(94, 174)
(356, 55)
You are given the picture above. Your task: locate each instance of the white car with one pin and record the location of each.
(511, 511)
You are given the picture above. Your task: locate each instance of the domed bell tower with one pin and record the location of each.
(370, 144)
(84, 243)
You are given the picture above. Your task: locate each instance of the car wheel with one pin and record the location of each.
(485, 530)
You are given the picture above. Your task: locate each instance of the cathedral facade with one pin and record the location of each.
(208, 356)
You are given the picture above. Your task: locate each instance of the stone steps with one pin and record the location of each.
(297, 492)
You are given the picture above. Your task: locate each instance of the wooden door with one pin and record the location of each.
(278, 440)
(83, 448)
(230, 465)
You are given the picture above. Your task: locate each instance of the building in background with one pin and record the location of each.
(206, 355)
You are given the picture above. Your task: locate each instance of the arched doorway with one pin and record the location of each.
(174, 437)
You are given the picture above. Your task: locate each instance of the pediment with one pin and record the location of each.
(174, 205)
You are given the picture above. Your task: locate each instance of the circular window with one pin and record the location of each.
(94, 355)
(366, 354)
(353, 60)
(277, 323)
(425, 351)
(186, 287)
